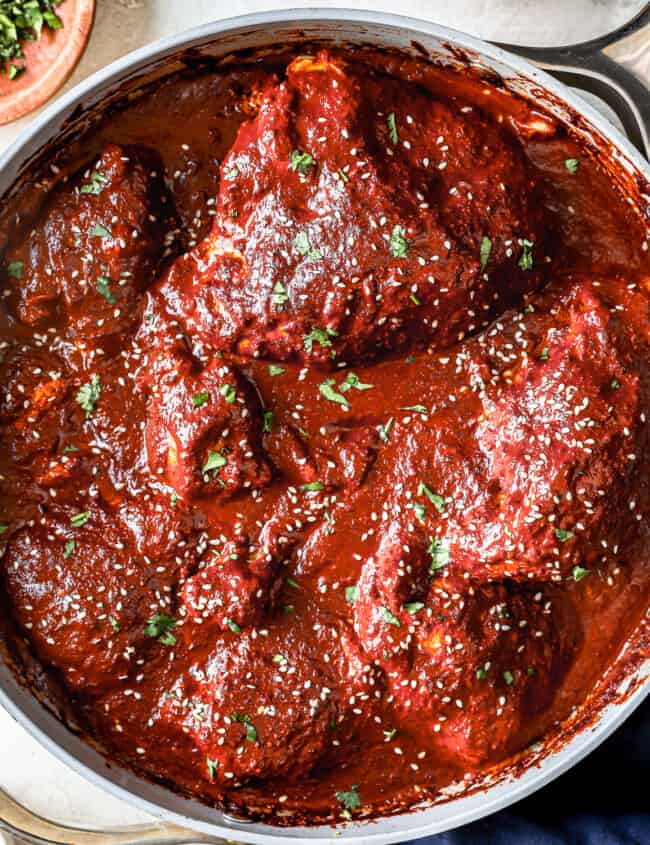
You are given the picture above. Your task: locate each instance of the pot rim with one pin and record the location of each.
(49, 731)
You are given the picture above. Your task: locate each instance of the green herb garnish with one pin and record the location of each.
(96, 185)
(486, 249)
(199, 399)
(300, 162)
(392, 128)
(160, 627)
(398, 244)
(214, 461)
(526, 258)
(88, 395)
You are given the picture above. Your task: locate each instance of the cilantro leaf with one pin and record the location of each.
(320, 336)
(352, 381)
(88, 395)
(214, 461)
(572, 165)
(327, 390)
(392, 128)
(96, 185)
(398, 244)
(303, 246)
(486, 249)
(440, 553)
(301, 162)
(526, 258)
(160, 627)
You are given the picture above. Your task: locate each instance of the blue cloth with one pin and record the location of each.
(604, 800)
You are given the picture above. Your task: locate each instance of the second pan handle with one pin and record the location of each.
(615, 67)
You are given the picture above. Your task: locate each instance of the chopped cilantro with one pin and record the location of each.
(419, 409)
(413, 607)
(351, 594)
(327, 390)
(3, 528)
(486, 249)
(301, 162)
(234, 627)
(312, 486)
(526, 258)
(160, 627)
(215, 460)
(320, 336)
(292, 583)
(212, 766)
(437, 501)
(572, 165)
(350, 799)
(280, 295)
(69, 548)
(115, 625)
(269, 421)
(391, 618)
(231, 174)
(104, 288)
(563, 535)
(509, 678)
(385, 430)
(398, 244)
(615, 384)
(388, 735)
(481, 674)
(16, 70)
(71, 448)
(96, 185)
(543, 355)
(99, 231)
(15, 269)
(392, 128)
(279, 658)
(352, 381)
(80, 519)
(303, 246)
(419, 510)
(579, 573)
(199, 399)
(440, 553)
(276, 370)
(228, 392)
(415, 300)
(251, 733)
(173, 498)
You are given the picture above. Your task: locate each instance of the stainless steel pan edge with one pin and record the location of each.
(268, 30)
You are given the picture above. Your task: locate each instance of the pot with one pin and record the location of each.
(186, 820)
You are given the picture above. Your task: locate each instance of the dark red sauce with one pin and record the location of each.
(324, 443)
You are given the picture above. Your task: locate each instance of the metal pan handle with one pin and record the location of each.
(19, 822)
(615, 67)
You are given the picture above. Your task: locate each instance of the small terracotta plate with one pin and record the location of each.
(49, 61)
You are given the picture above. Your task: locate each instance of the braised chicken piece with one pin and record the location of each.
(90, 606)
(103, 238)
(529, 479)
(243, 703)
(348, 223)
(203, 429)
(477, 665)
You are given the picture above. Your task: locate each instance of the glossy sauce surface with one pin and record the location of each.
(324, 444)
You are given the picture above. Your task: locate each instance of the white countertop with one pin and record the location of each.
(27, 771)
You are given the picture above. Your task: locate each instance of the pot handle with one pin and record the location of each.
(19, 822)
(614, 67)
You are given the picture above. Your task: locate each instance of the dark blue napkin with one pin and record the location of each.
(604, 800)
